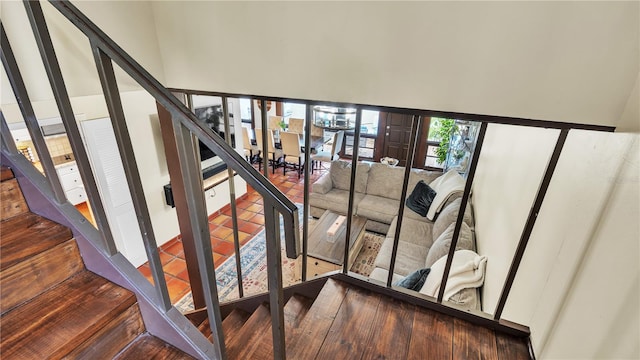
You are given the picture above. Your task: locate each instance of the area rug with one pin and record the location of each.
(254, 269)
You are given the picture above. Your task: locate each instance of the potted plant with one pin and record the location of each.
(443, 130)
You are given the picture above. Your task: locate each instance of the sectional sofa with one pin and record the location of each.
(377, 195)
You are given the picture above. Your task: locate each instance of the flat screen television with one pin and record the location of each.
(213, 117)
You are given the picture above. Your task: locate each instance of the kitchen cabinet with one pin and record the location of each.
(71, 182)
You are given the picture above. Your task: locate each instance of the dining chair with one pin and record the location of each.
(291, 149)
(296, 125)
(273, 154)
(249, 148)
(329, 156)
(316, 131)
(274, 122)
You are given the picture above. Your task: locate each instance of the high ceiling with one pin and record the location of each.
(560, 61)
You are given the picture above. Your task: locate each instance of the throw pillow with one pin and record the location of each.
(421, 198)
(415, 280)
(442, 244)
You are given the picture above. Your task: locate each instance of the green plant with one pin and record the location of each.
(443, 130)
(282, 125)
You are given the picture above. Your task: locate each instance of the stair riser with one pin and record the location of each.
(13, 202)
(41, 272)
(110, 340)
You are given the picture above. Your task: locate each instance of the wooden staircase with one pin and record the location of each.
(348, 322)
(51, 306)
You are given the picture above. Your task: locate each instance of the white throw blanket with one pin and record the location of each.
(446, 185)
(467, 271)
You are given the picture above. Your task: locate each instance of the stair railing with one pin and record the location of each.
(186, 126)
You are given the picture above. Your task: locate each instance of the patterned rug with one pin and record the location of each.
(254, 269)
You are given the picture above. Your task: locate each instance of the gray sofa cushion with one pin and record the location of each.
(414, 231)
(335, 200)
(341, 175)
(385, 181)
(381, 274)
(378, 208)
(449, 215)
(442, 244)
(409, 259)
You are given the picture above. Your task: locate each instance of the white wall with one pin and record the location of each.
(599, 318)
(563, 61)
(141, 114)
(571, 269)
(509, 171)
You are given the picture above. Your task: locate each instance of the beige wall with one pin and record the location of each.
(562, 61)
(571, 268)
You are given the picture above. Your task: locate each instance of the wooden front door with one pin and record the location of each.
(397, 135)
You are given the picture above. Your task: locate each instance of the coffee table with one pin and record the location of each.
(325, 256)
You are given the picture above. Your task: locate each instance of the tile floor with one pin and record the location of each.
(250, 222)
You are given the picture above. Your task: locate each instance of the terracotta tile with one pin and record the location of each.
(245, 215)
(243, 204)
(258, 219)
(255, 208)
(224, 248)
(165, 257)
(175, 249)
(145, 270)
(222, 232)
(249, 227)
(221, 218)
(244, 237)
(218, 259)
(177, 288)
(175, 267)
(184, 276)
(169, 243)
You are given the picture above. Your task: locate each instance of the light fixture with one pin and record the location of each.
(334, 118)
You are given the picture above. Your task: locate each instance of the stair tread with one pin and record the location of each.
(315, 325)
(6, 173)
(41, 272)
(29, 234)
(60, 319)
(232, 322)
(13, 202)
(147, 346)
(294, 313)
(247, 337)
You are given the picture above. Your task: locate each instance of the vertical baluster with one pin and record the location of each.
(352, 188)
(415, 131)
(463, 207)
(20, 92)
(232, 195)
(190, 167)
(41, 33)
(307, 163)
(265, 138)
(274, 270)
(531, 220)
(123, 139)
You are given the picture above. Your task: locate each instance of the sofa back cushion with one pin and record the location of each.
(341, 175)
(442, 244)
(449, 215)
(424, 175)
(385, 181)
